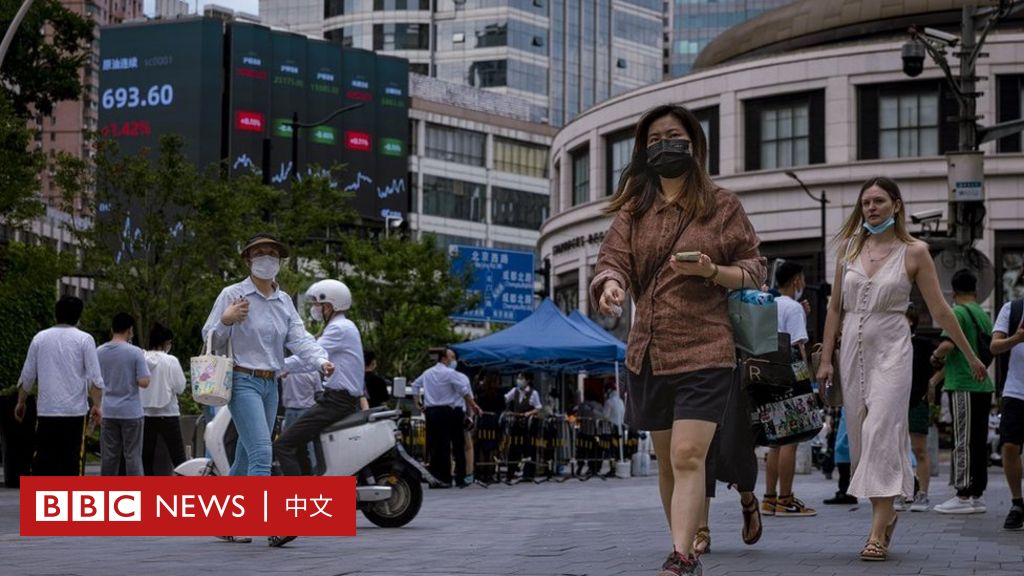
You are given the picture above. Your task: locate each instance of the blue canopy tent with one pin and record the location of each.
(593, 328)
(546, 340)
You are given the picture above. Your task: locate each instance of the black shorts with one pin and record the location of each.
(655, 402)
(1011, 421)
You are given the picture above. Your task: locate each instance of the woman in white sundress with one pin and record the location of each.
(877, 265)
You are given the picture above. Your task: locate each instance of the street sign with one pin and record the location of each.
(502, 278)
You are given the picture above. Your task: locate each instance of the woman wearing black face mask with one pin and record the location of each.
(681, 356)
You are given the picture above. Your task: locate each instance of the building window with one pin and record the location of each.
(453, 198)
(381, 5)
(421, 69)
(908, 125)
(785, 131)
(401, 37)
(1009, 96)
(904, 120)
(708, 118)
(488, 73)
(455, 145)
(620, 151)
(338, 36)
(518, 209)
(519, 158)
(581, 177)
(492, 35)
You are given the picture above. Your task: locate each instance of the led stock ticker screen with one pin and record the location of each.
(163, 79)
(231, 92)
(275, 75)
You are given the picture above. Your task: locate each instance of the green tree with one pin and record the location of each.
(166, 236)
(28, 289)
(403, 295)
(42, 69)
(19, 168)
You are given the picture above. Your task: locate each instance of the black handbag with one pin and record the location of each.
(784, 409)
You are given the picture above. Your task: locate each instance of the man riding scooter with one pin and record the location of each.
(344, 392)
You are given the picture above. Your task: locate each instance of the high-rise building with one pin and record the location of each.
(68, 128)
(692, 24)
(169, 9)
(563, 56)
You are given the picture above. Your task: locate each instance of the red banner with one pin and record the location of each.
(188, 506)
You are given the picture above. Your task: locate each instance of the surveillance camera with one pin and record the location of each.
(940, 36)
(913, 58)
(926, 216)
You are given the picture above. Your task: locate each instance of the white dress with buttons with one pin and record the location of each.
(876, 359)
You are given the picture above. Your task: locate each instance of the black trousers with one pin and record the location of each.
(60, 442)
(166, 429)
(290, 447)
(445, 439)
(969, 468)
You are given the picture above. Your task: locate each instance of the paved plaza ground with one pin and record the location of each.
(574, 528)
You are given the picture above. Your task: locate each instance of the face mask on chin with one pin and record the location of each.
(798, 294)
(670, 158)
(454, 364)
(265, 267)
(889, 223)
(316, 313)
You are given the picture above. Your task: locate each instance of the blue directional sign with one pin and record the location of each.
(502, 278)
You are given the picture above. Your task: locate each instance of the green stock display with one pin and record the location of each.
(173, 77)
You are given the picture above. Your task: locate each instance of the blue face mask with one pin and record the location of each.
(881, 227)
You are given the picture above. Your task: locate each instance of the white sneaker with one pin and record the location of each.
(956, 505)
(979, 505)
(920, 503)
(899, 504)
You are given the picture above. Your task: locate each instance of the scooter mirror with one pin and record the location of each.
(398, 387)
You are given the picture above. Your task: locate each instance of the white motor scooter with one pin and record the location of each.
(366, 445)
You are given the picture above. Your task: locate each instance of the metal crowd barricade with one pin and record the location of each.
(414, 437)
(541, 448)
(487, 448)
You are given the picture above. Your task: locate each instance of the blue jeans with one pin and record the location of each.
(291, 415)
(253, 409)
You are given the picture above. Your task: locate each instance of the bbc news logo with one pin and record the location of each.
(88, 506)
(187, 506)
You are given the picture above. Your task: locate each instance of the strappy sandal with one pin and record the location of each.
(874, 551)
(702, 541)
(749, 513)
(890, 528)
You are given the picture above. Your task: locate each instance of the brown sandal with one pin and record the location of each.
(702, 541)
(749, 513)
(874, 551)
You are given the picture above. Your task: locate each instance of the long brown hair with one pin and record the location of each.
(639, 185)
(853, 228)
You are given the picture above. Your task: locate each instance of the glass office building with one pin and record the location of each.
(694, 23)
(563, 56)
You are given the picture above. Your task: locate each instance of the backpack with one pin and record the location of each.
(984, 341)
(1003, 360)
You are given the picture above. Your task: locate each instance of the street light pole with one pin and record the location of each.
(822, 201)
(296, 125)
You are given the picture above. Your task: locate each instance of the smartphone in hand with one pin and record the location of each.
(687, 256)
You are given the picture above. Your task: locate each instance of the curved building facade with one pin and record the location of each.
(835, 109)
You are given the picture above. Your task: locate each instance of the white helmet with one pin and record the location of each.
(331, 292)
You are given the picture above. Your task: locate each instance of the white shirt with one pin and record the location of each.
(166, 381)
(514, 395)
(792, 319)
(63, 361)
(344, 348)
(442, 386)
(1015, 375)
(614, 408)
(259, 341)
